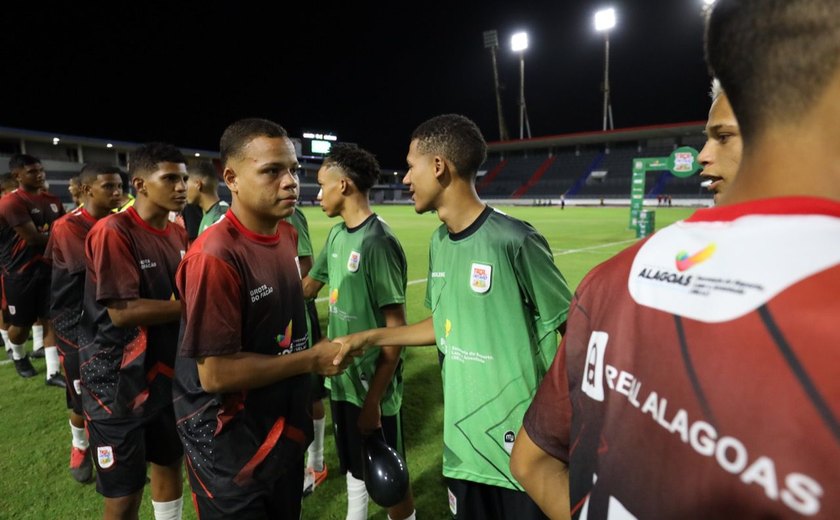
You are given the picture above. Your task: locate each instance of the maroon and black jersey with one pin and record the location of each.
(241, 293)
(698, 377)
(66, 251)
(17, 209)
(127, 371)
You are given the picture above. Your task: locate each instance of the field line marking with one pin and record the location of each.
(556, 251)
(599, 246)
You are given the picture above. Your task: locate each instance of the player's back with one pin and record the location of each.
(702, 368)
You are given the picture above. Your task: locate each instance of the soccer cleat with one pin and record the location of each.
(313, 479)
(24, 367)
(57, 380)
(38, 354)
(81, 467)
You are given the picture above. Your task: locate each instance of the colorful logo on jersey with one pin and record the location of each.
(105, 456)
(685, 262)
(447, 327)
(353, 261)
(334, 296)
(481, 277)
(285, 340)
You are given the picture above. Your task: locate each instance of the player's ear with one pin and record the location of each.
(229, 175)
(139, 184)
(441, 166)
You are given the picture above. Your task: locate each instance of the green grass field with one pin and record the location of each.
(35, 438)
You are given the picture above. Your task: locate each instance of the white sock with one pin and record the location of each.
(315, 452)
(37, 337)
(168, 510)
(80, 439)
(53, 364)
(17, 350)
(357, 498)
(412, 516)
(5, 335)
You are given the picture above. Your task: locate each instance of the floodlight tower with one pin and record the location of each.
(604, 21)
(491, 42)
(519, 43)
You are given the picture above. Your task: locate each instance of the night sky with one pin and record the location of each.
(181, 71)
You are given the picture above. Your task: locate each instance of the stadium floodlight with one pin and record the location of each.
(604, 21)
(519, 43)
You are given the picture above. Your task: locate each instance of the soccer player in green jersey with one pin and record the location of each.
(364, 265)
(315, 472)
(203, 190)
(497, 302)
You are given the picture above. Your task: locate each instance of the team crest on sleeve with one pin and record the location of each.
(54, 207)
(105, 456)
(12, 309)
(481, 277)
(353, 261)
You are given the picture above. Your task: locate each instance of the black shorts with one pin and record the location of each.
(314, 324)
(473, 501)
(70, 364)
(26, 297)
(319, 389)
(283, 501)
(122, 447)
(348, 439)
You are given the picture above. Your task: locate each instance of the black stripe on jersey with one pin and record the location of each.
(692, 375)
(799, 371)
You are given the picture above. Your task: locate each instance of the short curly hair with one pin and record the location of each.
(456, 138)
(239, 133)
(358, 164)
(145, 159)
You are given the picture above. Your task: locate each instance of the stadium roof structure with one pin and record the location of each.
(9, 133)
(674, 130)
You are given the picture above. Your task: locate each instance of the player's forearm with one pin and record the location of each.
(417, 334)
(143, 312)
(248, 370)
(545, 478)
(386, 365)
(311, 287)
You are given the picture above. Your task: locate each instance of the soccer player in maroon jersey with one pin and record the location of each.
(26, 215)
(100, 188)
(698, 377)
(242, 374)
(129, 339)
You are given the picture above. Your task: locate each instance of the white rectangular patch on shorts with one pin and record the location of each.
(105, 456)
(453, 502)
(77, 386)
(12, 309)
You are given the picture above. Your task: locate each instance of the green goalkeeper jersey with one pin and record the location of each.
(365, 270)
(497, 300)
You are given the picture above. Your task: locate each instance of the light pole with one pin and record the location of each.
(604, 21)
(491, 42)
(519, 43)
